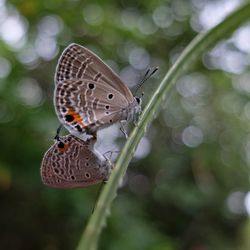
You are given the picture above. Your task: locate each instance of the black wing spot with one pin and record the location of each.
(111, 121)
(78, 127)
(107, 106)
(87, 175)
(69, 118)
(61, 145)
(73, 177)
(91, 85)
(64, 109)
(86, 164)
(107, 113)
(110, 96)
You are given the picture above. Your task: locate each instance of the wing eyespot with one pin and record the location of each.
(69, 118)
(64, 110)
(61, 145)
(91, 85)
(87, 175)
(79, 129)
(110, 96)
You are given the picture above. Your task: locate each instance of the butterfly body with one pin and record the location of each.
(88, 94)
(71, 163)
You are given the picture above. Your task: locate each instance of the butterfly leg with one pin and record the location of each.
(123, 129)
(92, 140)
(94, 135)
(58, 132)
(108, 159)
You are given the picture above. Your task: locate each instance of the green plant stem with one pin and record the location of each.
(200, 43)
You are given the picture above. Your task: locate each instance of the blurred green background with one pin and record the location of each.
(188, 185)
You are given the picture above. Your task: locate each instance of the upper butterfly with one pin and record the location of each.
(88, 93)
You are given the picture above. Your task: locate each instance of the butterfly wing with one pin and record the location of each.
(77, 62)
(69, 163)
(83, 104)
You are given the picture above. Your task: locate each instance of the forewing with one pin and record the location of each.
(81, 103)
(78, 62)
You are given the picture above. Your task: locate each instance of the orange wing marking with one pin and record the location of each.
(74, 117)
(63, 148)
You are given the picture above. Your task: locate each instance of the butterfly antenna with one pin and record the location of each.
(58, 132)
(145, 78)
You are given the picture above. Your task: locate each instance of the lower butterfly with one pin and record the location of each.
(72, 163)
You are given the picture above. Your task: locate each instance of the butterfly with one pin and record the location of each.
(89, 95)
(72, 162)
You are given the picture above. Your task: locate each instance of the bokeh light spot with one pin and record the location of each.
(163, 16)
(215, 11)
(139, 58)
(235, 202)
(247, 202)
(143, 148)
(5, 67)
(146, 25)
(30, 92)
(46, 47)
(192, 136)
(93, 14)
(13, 30)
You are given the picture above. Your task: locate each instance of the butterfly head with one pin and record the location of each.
(138, 100)
(134, 108)
(137, 104)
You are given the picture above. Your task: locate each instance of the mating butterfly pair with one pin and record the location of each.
(88, 96)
